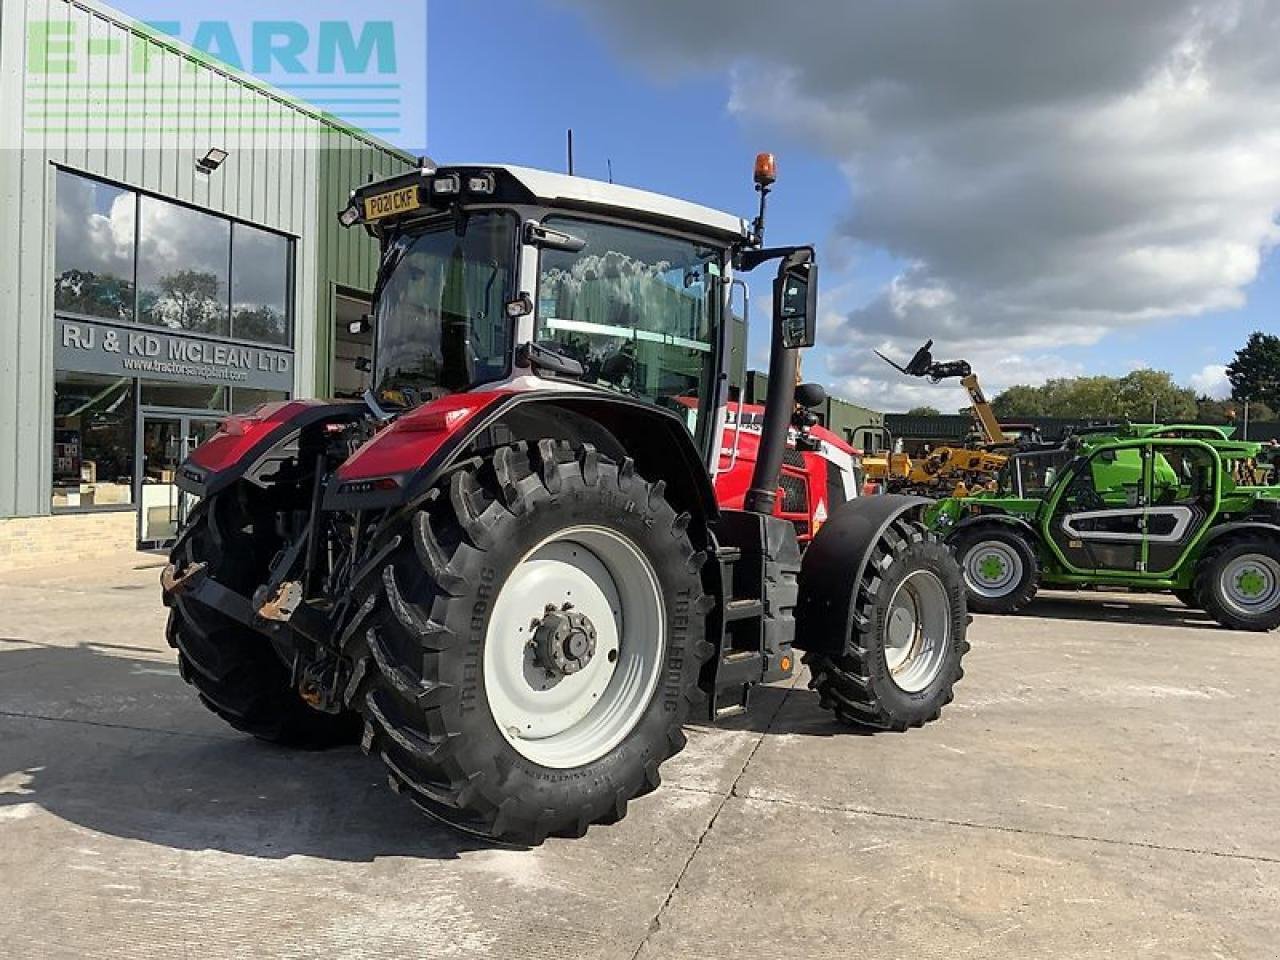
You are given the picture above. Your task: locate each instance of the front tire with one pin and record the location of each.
(905, 659)
(1001, 573)
(1238, 583)
(533, 647)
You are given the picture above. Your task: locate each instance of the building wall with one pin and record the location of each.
(289, 169)
(347, 258)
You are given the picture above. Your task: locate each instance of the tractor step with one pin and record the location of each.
(743, 610)
(757, 570)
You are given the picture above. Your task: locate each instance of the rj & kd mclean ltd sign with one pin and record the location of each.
(88, 347)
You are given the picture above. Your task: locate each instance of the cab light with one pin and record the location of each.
(521, 306)
(480, 183)
(349, 216)
(448, 185)
(369, 486)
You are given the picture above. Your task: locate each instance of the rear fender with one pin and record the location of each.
(834, 564)
(401, 464)
(259, 444)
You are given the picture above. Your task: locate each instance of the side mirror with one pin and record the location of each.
(810, 395)
(795, 303)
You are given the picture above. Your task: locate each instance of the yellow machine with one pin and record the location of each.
(945, 471)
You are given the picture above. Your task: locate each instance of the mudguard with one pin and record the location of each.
(400, 464)
(1003, 519)
(1240, 526)
(248, 444)
(834, 564)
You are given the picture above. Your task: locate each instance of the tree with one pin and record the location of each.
(262, 323)
(1212, 410)
(1255, 371)
(1019, 401)
(187, 300)
(924, 412)
(1131, 397)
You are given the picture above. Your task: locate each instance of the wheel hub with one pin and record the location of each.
(564, 640)
(990, 567)
(1251, 582)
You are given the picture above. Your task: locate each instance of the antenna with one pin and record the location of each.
(570, 150)
(610, 163)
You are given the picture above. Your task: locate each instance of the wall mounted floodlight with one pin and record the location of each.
(211, 161)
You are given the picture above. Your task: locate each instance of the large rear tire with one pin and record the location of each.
(532, 649)
(905, 658)
(1000, 569)
(1238, 582)
(235, 670)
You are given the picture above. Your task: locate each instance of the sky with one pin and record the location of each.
(1044, 188)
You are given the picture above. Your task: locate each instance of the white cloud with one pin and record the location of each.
(1212, 381)
(1048, 171)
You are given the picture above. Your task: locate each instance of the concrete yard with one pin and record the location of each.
(1107, 784)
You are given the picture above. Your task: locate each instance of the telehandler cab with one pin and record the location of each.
(507, 569)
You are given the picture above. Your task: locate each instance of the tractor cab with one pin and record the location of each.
(493, 274)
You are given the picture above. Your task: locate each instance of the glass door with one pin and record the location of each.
(165, 440)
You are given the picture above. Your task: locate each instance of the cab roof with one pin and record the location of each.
(560, 189)
(516, 184)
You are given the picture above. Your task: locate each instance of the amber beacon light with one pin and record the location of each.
(766, 169)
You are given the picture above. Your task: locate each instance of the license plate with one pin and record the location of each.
(391, 203)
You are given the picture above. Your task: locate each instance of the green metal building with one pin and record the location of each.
(172, 255)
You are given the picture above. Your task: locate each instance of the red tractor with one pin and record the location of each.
(506, 569)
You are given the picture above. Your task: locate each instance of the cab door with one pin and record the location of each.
(1097, 519)
(1182, 493)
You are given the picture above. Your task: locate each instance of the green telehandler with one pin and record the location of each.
(1182, 508)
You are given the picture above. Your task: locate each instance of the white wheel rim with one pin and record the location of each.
(574, 719)
(917, 631)
(992, 568)
(1250, 584)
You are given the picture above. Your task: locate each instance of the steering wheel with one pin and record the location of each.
(1084, 497)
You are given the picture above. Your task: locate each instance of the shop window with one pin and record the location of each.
(93, 441)
(194, 271)
(94, 253)
(244, 398)
(183, 268)
(192, 396)
(259, 285)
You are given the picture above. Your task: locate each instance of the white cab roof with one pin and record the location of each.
(553, 188)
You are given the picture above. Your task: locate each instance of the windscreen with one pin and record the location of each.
(1038, 472)
(440, 321)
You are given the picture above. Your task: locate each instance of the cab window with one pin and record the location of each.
(639, 310)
